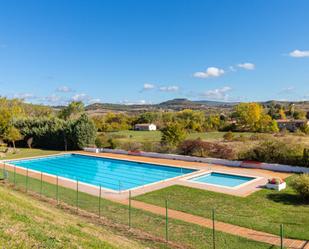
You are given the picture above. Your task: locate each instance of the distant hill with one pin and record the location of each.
(182, 103)
(172, 105)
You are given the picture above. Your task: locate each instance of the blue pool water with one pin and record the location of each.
(221, 179)
(109, 173)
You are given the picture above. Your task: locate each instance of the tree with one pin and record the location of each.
(12, 134)
(9, 109)
(84, 132)
(73, 110)
(282, 114)
(248, 115)
(173, 134)
(251, 117)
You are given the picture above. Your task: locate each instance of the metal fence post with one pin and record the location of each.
(213, 229)
(77, 196)
(4, 172)
(27, 180)
(57, 190)
(281, 236)
(166, 221)
(129, 209)
(41, 185)
(100, 196)
(14, 175)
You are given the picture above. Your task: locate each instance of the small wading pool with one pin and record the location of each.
(221, 179)
(112, 174)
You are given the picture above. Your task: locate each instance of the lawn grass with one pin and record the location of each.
(185, 234)
(25, 152)
(264, 210)
(155, 136)
(28, 223)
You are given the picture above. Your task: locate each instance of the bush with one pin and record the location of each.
(202, 148)
(274, 151)
(241, 138)
(55, 133)
(112, 144)
(102, 141)
(260, 136)
(301, 185)
(149, 146)
(229, 136)
(131, 146)
(84, 132)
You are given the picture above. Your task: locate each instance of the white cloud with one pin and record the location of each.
(25, 96)
(210, 72)
(247, 66)
(218, 94)
(148, 86)
(138, 102)
(80, 97)
(169, 88)
(64, 89)
(299, 53)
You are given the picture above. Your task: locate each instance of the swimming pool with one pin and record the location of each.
(222, 179)
(109, 173)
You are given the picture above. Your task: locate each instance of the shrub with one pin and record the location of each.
(102, 141)
(131, 146)
(201, 148)
(274, 151)
(301, 185)
(55, 133)
(112, 144)
(241, 138)
(260, 136)
(84, 132)
(229, 136)
(149, 146)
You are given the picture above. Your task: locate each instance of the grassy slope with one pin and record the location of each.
(27, 223)
(188, 235)
(25, 152)
(263, 210)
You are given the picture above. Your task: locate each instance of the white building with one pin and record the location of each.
(145, 127)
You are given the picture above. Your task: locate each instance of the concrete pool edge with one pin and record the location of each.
(71, 183)
(200, 174)
(199, 167)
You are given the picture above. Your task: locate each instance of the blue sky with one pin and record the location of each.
(137, 51)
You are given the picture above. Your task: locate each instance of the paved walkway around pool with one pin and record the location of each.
(221, 226)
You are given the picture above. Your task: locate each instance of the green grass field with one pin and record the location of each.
(28, 223)
(155, 136)
(25, 152)
(264, 210)
(180, 233)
